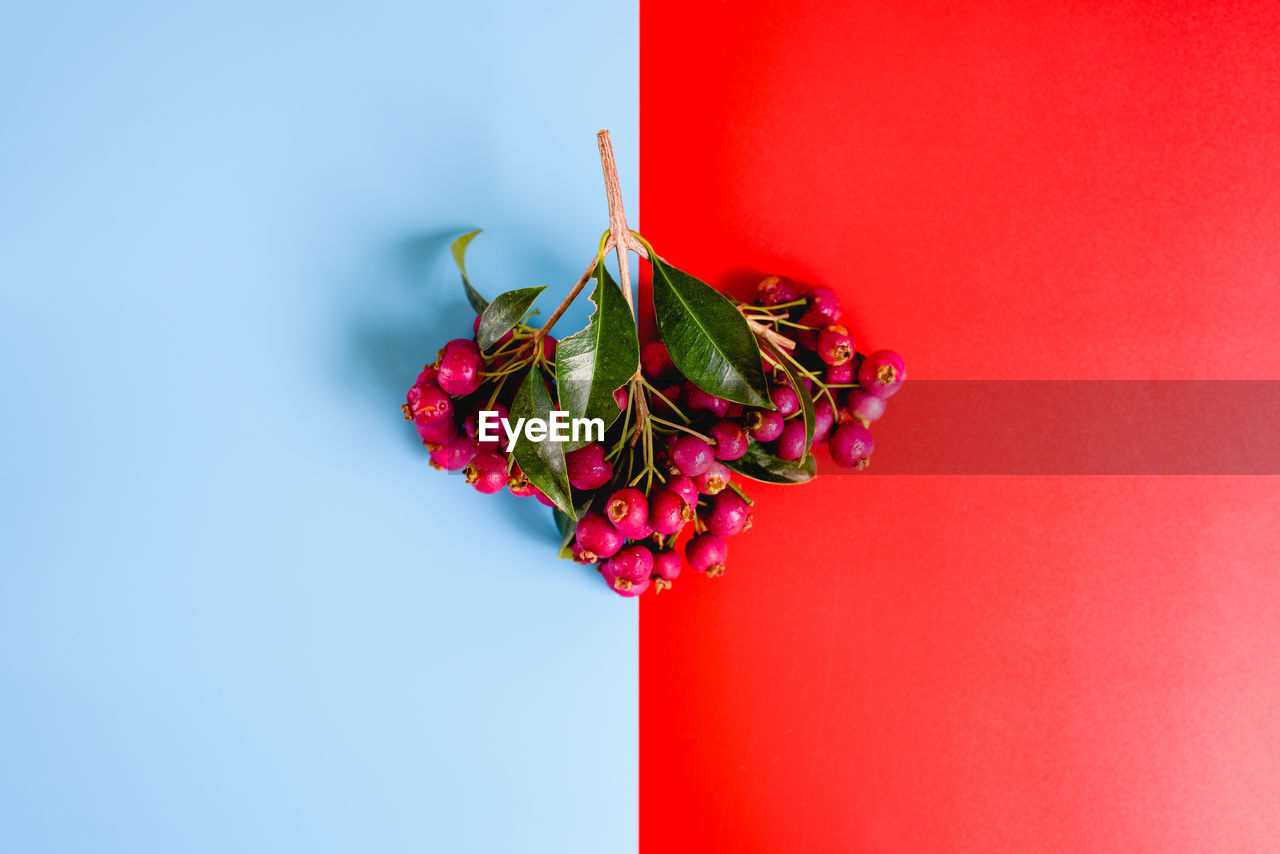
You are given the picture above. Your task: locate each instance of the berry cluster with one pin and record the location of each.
(668, 463)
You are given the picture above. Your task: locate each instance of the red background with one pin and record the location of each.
(999, 191)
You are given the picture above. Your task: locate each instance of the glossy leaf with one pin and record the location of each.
(595, 362)
(501, 315)
(797, 383)
(542, 462)
(459, 250)
(759, 464)
(708, 338)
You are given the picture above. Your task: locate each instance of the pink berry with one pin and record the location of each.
(437, 434)
(460, 369)
(542, 498)
(824, 418)
(729, 514)
(851, 445)
(549, 348)
(588, 469)
(697, 402)
(864, 406)
(581, 555)
(620, 397)
(497, 438)
(684, 486)
(714, 480)
(824, 301)
(597, 538)
(628, 510)
(455, 454)
(835, 344)
(433, 407)
(730, 438)
(707, 553)
(629, 589)
(668, 511)
(691, 455)
(765, 425)
(882, 373)
(776, 290)
(633, 563)
(655, 362)
(487, 472)
(839, 374)
(791, 443)
(785, 399)
(666, 565)
(812, 322)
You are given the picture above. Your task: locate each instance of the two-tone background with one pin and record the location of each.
(239, 613)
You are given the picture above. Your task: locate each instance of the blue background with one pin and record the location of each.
(238, 612)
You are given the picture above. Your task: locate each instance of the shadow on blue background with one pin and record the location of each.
(238, 612)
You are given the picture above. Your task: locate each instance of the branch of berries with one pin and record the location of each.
(727, 388)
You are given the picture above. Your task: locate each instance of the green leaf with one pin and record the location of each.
(459, 249)
(759, 464)
(595, 362)
(708, 338)
(797, 383)
(542, 462)
(503, 313)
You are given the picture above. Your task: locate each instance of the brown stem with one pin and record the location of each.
(621, 234)
(573, 295)
(763, 331)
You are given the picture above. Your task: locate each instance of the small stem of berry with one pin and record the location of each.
(656, 420)
(573, 295)
(780, 341)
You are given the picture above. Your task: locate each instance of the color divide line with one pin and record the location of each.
(1069, 427)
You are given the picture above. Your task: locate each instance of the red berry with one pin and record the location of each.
(835, 345)
(714, 480)
(433, 407)
(839, 374)
(633, 563)
(730, 438)
(628, 510)
(487, 472)
(812, 321)
(542, 498)
(691, 455)
(824, 301)
(824, 418)
(549, 348)
(791, 443)
(668, 511)
(775, 290)
(655, 362)
(666, 565)
(659, 405)
(765, 425)
(882, 373)
(785, 399)
(629, 589)
(472, 426)
(596, 537)
(455, 454)
(684, 486)
(588, 469)
(437, 434)
(851, 445)
(707, 553)
(620, 397)
(864, 406)
(697, 402)
(729, 514)
(519, 485)
(460, 369)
